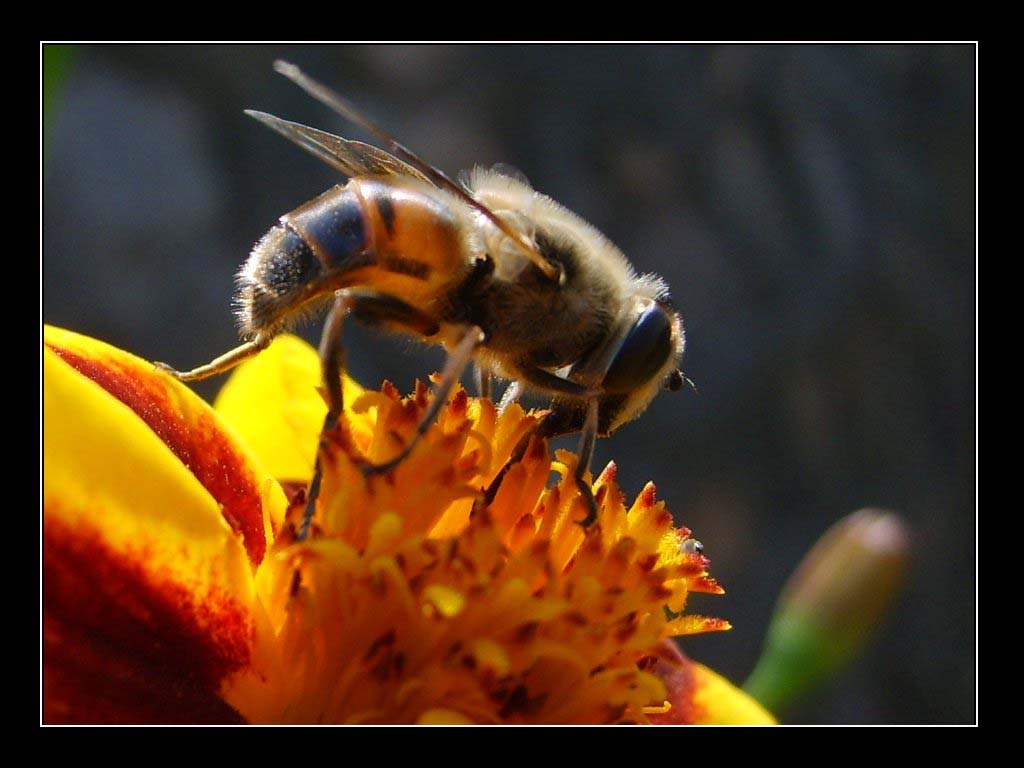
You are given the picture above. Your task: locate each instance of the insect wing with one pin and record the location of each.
(352, 158)
(341, 105)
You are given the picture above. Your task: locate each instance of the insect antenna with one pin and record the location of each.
(342, 106)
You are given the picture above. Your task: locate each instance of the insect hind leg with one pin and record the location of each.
(225, 362)
(331, 365)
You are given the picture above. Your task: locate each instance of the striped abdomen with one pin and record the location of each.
(395, 236)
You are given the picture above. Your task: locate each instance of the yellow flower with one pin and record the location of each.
(174, 589)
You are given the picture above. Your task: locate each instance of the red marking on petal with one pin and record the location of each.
(676, 671)
(689, 569)
(648, 495)
(526, 632)
(647, 563)
(420, 391)
(195, 438)
(659, 592)
(537, 450)
(622, 549)
(609, 474)
(625, 631)
(457, 407)
(707, 585)
(715, 625)
(539, 548)
(121, 647)
(576, 618)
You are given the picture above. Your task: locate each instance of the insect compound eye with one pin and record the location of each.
(691, 547)
(644, 350)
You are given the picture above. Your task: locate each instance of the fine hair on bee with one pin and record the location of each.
(497, 273)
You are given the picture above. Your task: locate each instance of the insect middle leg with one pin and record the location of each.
(482, 377)
(458, 359)
(371, 305)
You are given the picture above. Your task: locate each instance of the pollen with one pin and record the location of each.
(414, 601)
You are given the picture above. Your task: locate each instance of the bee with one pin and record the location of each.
(497, 273)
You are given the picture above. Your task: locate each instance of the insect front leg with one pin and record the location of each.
(565, 417)
(369, 305)
(586, 452)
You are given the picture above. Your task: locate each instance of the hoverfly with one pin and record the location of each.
(498, 274)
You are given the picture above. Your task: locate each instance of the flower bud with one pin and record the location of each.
(831, 605)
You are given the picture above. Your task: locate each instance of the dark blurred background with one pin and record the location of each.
(812, 208)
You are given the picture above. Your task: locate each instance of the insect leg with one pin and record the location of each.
(332, 358)
(458, 359)
(483, 380)
(368, 305)
(515, 389)
(556, 385)
(586, 453)
(564, 417)
(225, 362)
(560, 420)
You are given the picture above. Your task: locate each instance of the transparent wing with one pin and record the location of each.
(412, 161)
(352, 158)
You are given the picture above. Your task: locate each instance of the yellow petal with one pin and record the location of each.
(106, 469)
(719, 702)
(250, 500)
(698, 695)
(274, 403)
(148, 592)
